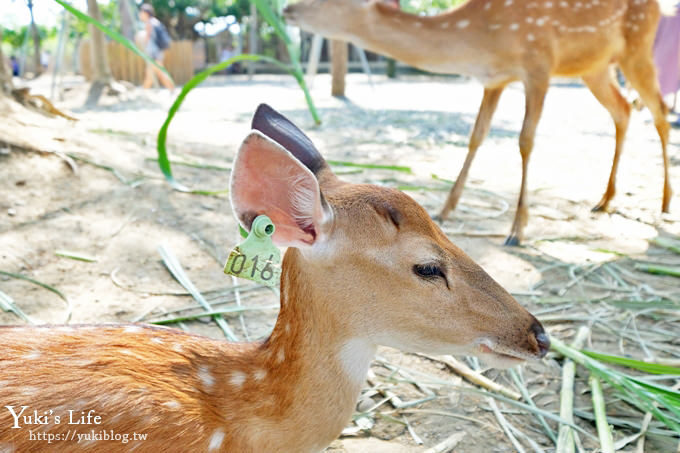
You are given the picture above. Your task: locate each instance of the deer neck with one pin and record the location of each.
(312, 369)
(446, 43)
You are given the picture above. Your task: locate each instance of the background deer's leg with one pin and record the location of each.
(535, 90)
(479, 132)
(638, 67)
(605, 90)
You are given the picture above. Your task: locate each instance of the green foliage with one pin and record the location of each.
(15, 38)
(180, 16)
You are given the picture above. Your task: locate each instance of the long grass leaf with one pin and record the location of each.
(371, 166)
(177, 271)
(8, 304)
(647, 367)
(163, 160)
(672, 271)
(47, 287)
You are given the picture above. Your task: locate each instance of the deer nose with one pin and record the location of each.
(542, 339)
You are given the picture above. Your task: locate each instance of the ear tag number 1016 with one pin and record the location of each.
(256, 258)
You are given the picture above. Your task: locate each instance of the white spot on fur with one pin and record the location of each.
(287, 328)
(494, 26)
(445, 25)
(418, 24)
(508, 2)
(531, 37)
(207, 379)
(355, 357)
(237, 378)
(259, 375)
(487, 6)
(280, 356)
(463, 23)
(172, 405)
(540, 21)
(529, 20)
(132, 329)
(32, 355)
(157, 340)
(216, 440)
(514, 27)
(548, 4)
(178, 348)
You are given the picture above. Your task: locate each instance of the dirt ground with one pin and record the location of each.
(112, 204)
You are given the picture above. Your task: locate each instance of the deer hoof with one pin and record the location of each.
(511, 240)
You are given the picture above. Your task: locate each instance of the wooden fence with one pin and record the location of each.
(125, 65)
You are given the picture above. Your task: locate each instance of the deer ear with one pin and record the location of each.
(280, 129)
(267, 179)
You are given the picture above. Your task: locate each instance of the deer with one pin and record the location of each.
(364, 266)
(503, 41)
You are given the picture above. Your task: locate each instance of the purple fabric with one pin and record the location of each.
(667, 53)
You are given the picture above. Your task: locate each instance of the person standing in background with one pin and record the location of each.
(156, 41)
(667, 53)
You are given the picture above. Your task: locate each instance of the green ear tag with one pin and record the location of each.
(256, 258)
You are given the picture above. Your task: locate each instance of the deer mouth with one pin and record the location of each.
(499, 356)
(486, 350)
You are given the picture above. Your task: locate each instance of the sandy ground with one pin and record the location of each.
(121, 217)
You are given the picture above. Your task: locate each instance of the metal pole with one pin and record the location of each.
(60, 52)
(314, 58)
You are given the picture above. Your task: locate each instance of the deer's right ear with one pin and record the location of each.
(267, 179)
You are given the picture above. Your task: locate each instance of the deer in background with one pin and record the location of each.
(501, 41)
(365, 266)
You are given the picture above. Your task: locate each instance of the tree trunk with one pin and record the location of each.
(5, 73)
(36, 42)
(127, 22)
(101, 74)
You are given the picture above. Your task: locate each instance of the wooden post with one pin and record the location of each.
(252, 38)
(338, 67)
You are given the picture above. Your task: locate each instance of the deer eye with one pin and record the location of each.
(429, 270)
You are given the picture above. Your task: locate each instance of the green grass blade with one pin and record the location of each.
(670, 244)
(341, 163)
(47, 287)
(210, 313)
(163, 160)
(603, 431)
(177, 271)
(637, 392)
(111, 34)
(277, 23)
(8, 304)
(672, 271)
(647, 367)
(76, 256)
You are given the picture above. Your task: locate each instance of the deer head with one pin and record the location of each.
(370, 258)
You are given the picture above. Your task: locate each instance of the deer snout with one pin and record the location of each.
(540, 337)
